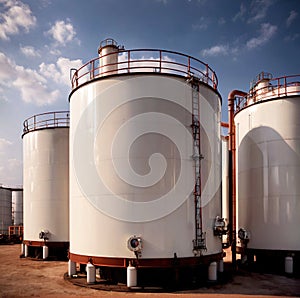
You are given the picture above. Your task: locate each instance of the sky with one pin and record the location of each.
(41, 40)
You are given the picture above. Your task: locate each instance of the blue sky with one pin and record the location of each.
(40, 40)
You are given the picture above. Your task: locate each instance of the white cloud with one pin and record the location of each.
(149, 64)
(62, 32)
(259, 9)
(292, 37)
(3, 97)
(241, 12)
(14, 165)
(32, 85)
(267, 31)
(163, 1)
(30, 51)
(202, 24)
(60, 72)
(55, 52)
(218, 50)
(7, 69)
(10, 170)
(4, 144)
(293, 15)
(16, 16)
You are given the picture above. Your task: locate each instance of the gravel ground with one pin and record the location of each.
(29, 278)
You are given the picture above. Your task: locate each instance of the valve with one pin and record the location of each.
(244, 235)
(220, 226)
(44, 234)
(134, 243)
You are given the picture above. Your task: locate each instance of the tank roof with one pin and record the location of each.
(46, 120)
(154, 61)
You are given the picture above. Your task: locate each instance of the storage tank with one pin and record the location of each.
(267, 134)
(17, 206)
(46, 184)
(5, 209)
(145, 164)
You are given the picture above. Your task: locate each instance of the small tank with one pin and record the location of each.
(46, 184)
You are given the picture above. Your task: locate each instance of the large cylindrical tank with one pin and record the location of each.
(268, 167)
(17, 206)
(134, 154)
(5, 210)
(46, 181)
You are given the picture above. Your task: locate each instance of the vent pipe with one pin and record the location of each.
(108, 54)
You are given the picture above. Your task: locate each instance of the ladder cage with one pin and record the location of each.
(199, 243)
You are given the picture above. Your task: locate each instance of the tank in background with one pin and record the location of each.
(267, 124)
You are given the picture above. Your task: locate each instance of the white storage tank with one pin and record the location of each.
(17, 206)
(46, 183)
(267, 127)
(145, 163)
(5, 209)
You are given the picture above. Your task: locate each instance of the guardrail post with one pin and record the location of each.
(128, 60)
(160, 58)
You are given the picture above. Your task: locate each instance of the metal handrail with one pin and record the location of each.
(277, 87)
(47, 120)
(146, 60)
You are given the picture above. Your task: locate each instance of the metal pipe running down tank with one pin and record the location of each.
(232, 171)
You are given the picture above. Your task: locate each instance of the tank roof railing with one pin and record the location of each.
(260, 77)
(108, 42)
(47, 120)
(145, 61)
(275, 88)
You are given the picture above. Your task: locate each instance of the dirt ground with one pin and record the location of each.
(29, 278)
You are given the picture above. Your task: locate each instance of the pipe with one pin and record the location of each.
(224, 124)
(232, 171)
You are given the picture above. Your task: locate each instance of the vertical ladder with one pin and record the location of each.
(199, 242)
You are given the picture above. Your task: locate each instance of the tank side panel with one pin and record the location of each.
(46, 185)
(17, 201)
(5, 210)
(268, 139)
(122, 110)
(211, 167)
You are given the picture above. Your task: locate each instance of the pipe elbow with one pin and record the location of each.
(232, 94)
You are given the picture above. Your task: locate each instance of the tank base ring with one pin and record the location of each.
(147, 263)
